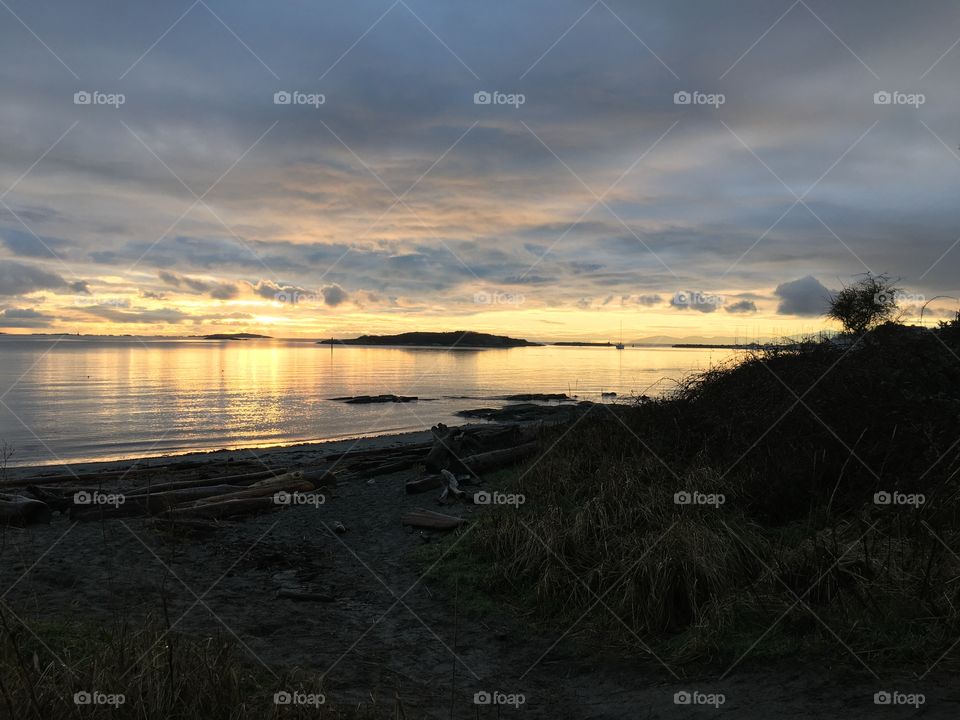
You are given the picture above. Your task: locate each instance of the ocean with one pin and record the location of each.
(71, 399)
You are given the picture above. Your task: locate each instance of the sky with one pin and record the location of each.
(551, 170)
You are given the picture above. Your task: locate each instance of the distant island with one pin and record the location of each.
(458, 338)
(236, 336)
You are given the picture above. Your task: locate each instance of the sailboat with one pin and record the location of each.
(619, 345)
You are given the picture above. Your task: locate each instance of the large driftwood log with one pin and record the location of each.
(226, 508)
(432, 520)
(158, 503)
(485, 462)
(21, 511)
(255, 499)
(242, 479)
(290, 482)
(148, 503)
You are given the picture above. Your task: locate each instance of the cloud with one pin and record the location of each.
(168, 316)
(24, 318)
(806, 296)
(644, 300)
(216, 290)
(333, 295)
(26, 244)
(696, 300)
(224, 291)
(170, 278)
(21, 279)
(742, 307)
(270, 290)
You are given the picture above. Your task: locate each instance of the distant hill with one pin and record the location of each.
(458, 338)
(236, 336)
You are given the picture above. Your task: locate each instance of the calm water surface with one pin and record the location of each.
(71, 399)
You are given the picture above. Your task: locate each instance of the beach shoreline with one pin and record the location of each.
(271, 455)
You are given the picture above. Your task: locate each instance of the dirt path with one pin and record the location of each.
(387, 630)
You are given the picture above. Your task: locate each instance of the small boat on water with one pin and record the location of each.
(619, 345)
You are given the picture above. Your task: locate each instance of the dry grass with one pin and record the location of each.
(161, 676)
(799, 528)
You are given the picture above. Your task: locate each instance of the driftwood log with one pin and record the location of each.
(432, 520)
(20, 511)
(242, 479)
(495, 459)
(224, 508)
(148, 503)
(256, 498)
(184, 501)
